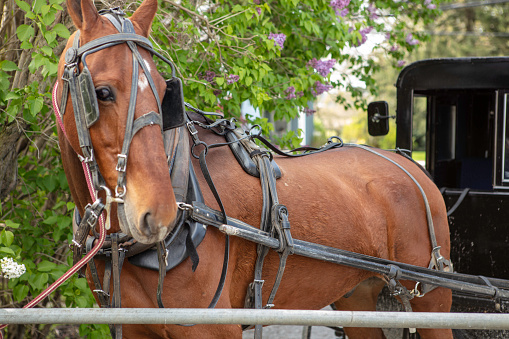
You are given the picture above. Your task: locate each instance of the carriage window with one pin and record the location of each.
(505, 160)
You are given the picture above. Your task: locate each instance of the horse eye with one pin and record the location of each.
(104, 94)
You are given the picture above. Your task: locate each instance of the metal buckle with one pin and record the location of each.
(122, 162)
(87, 159)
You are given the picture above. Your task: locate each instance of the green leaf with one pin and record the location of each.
(7, 250)
(47, 50)
(23, 5)
(82, 301)
(219, 81)
(45, 266)
(12, 95)
(11, 224)
(19, 292)
(50, 36)
(27, 45)
(6, 237)
(37, 5)
(248, 81)
(37, 281)
(25, 32)
(52, 220)
(35, 105)
(8, 65)
(48, 19)
(62, 31)
(45, 10)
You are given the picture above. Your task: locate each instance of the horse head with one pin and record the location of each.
(111, 95)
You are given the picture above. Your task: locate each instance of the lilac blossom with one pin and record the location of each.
(300, 94)
(256, 2)
(410, 40)
(394, 48)
(290, 91)
(372, 12)
(309, 111)
(232, 78)
(339, 5)
(401, 63)
(320, 88)
(344, 12)
(429, 5)
(279, 39)
(258, 10)
(208, 76)
(322, 67)
(364, 34)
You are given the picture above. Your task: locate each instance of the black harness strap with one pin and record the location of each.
(113, 259)
(208, 178)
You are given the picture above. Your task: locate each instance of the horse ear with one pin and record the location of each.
(144, 16)
(83, 13)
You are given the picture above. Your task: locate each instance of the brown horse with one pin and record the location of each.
(345, 198)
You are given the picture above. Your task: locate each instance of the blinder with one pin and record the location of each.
(173, 107)
(88, 101)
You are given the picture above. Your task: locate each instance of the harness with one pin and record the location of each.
(274, 231)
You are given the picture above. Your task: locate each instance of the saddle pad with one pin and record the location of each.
(243, 157)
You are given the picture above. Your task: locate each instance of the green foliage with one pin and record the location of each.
(35, 220)
(225, 38)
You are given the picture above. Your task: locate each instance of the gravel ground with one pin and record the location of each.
(291, 332)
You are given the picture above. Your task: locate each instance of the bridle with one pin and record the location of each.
(84, 101)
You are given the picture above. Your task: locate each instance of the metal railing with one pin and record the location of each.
(494, 321)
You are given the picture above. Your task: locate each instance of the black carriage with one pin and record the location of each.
(466, 103)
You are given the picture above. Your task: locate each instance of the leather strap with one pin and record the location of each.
(222, 279)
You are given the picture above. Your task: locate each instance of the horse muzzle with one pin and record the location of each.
(147, 225)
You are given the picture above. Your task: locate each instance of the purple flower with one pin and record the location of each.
(322, 67)
(208, 76)
(300, 94)
(256, 2)
(429, 5)
(279, 39)
(401, 63)
(320, 88)
(309, 111)
(410, 40)
(372, 11)
(394, 48)
(338, 5)
(290, 91)
(364, 34)
(232, 78)
(258, 10)
(344, 12)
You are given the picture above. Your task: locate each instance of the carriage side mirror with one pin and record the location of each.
(378, 118)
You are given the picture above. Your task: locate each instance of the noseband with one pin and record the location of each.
(84, 100)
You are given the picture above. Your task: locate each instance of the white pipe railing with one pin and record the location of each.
(495, 321)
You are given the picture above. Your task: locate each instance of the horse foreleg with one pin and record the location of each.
(363, 298)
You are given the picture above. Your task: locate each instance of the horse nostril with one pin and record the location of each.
(146, 222)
